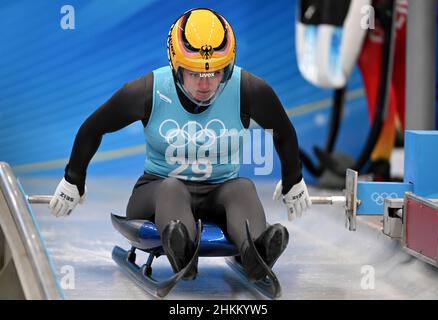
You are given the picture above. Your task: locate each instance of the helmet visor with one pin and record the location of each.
(202, 88)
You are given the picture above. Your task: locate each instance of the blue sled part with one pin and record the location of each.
(144, 235)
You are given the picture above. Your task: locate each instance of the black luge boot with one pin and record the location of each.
(179, 248)
(270, 245)
(272, 242)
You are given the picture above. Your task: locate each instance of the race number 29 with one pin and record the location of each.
(200, 166)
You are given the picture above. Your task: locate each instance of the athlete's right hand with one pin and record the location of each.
(65, 199)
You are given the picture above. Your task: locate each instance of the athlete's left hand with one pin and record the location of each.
(297, 200)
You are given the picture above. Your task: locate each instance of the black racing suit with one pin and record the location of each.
(228, 204)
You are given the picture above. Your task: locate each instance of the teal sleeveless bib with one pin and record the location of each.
(198, 147)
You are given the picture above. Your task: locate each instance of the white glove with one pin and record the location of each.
(65, 199)
(297, 200)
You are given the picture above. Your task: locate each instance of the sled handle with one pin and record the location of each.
(331, 200)
(39, 199)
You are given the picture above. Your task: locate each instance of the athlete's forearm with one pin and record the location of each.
(85, 146)
(263, 105)
(287, 150)
(129, 104)
(286, 145)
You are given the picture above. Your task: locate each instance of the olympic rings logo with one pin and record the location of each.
(379, 198)
(191, 132)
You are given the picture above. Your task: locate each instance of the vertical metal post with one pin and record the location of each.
(420, 65)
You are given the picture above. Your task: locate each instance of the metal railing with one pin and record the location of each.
(32, 263)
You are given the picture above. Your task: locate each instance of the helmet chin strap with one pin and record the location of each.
(194, 100)
(197, 108)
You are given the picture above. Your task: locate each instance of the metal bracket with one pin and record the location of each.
(393, 218)
(351, 199)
